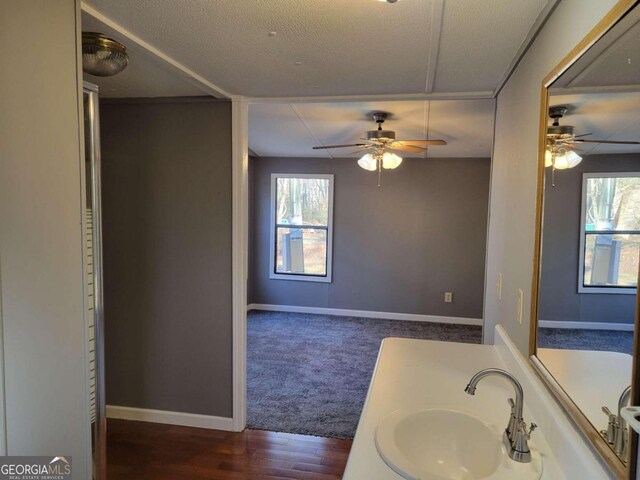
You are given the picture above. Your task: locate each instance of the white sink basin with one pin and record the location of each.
(448, 445)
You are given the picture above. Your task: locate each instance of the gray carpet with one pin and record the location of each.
(578, 339)
(309, 374)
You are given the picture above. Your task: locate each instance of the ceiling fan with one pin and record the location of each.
(562, 142)
(380, 145)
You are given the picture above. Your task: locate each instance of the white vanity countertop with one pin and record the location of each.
(592, 379)
(423, 374)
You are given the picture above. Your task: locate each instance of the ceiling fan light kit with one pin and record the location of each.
(374, 161)
(561, 160)
(380, 145)
(368, 162)
(390, 160)
(562, 142)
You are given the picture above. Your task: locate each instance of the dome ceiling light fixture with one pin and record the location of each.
(102, 56)
(380, 144)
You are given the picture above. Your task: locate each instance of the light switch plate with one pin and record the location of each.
(520, 305)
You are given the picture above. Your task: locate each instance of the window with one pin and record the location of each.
(610, 233)
(301, 227)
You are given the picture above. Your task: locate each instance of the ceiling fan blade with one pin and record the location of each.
(606, 141)
(360, 150)
(581, 135)
(341, 146)
(406, 148)
(572, 147)
(421, 142)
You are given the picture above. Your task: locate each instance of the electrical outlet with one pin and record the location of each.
(520, 305)
(499, 285)
(448, 297)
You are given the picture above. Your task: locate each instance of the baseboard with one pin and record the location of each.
(170, 418)
(627, 327)
(412, 317)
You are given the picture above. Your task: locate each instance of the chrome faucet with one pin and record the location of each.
(617, 433)
(620, 445)
(515, 437)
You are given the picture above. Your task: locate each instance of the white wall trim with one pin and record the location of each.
(170, 418)
(626, 327)
(413, 317)
(239, 254)
(480, 95)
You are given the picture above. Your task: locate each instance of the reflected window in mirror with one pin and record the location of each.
(610, 233)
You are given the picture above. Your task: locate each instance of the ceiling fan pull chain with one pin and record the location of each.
(379, 170)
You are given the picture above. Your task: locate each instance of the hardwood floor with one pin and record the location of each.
(144, 451)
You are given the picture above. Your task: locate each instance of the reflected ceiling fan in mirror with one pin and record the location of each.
(562, 142)
(380, 146)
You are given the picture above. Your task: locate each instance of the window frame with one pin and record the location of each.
(582, 288)
(273, 231)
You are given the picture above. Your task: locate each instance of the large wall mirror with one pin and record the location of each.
(588, 249)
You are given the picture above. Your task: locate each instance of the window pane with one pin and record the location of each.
(301, 251)
(302, 201)
(613, 203)
(611, 260)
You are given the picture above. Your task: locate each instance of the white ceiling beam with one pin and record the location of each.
(308, 127)
(189, 75)
(544, 14)
(437, 18)
(483, 95)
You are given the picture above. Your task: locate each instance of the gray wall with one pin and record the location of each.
(514, 176)
(395, 249)
(45, 383)
(559, 297)
(166, 172)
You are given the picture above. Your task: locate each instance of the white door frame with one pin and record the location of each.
(239, 254)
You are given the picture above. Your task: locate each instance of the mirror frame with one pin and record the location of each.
(619, 468)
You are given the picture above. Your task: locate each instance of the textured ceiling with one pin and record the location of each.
(602, 89)
(613, 62)
(610, 116)
(478, 41)
(619, 65)
(145, 76)
(330, 47)
(291, 130)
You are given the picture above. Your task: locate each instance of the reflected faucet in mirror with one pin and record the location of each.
(617, 432)
(516, 438)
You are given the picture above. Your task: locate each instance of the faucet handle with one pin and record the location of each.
(611, 432)
(613, 418)
(531, 429)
